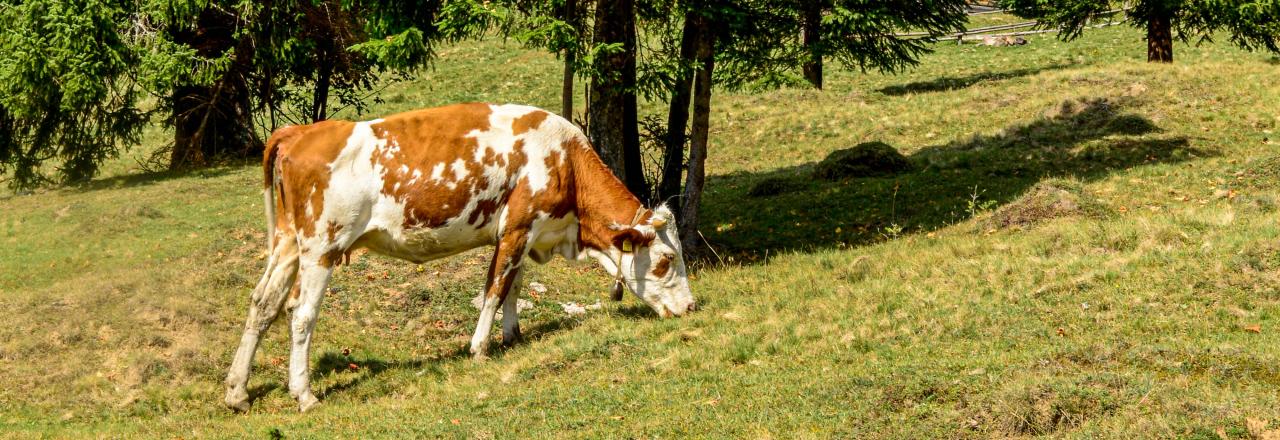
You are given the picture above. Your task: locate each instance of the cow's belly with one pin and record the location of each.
(425, 244)
(385, 232)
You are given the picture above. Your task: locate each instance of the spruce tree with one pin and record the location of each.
(1253, 24)
(72, 73)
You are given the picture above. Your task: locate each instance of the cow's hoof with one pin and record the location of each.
(237, 399)
(513, 338)
(307, 402)
(480, 357)
(237, 404)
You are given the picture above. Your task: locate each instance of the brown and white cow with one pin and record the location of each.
(432, 183)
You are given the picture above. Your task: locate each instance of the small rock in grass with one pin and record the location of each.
(537, 287)
(521, 304)
(573, 308)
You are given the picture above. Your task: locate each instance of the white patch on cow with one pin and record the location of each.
(459, 170)
(502, 218)
(311, 210)
(437, 172)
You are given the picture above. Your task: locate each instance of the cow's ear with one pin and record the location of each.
(627, 240)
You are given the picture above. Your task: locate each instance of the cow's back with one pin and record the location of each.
(426, 183)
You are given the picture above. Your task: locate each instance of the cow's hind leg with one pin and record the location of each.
(313, 280)
(267, 301)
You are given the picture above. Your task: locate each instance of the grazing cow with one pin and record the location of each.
(431, 183)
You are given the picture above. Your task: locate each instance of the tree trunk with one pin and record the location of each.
(612, 126)
(212, 121)
(689, 236)
(678, 113)
(320, 99)
(813, 42)
(1160, 37)
(566, 88)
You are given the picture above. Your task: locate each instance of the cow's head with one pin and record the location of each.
(652, 264)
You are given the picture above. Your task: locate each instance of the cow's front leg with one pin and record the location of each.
(314, 279)
(503, 271)
(511, 311)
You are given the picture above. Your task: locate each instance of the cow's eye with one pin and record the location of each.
(664, 265)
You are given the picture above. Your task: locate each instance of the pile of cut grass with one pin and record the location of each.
(1046, 200)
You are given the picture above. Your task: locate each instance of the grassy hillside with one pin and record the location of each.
(943, 302)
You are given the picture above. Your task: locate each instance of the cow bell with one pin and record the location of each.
(616, 293)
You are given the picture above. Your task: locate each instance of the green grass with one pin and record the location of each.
(869, 307)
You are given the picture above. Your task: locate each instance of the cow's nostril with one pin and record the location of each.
(692, 306)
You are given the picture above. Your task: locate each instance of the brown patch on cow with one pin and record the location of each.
(282, 139)
(283, 135)
(530, 121)
(304, 168)
(334, 257)
(560, 196)
(332, 230)
(427, 138)
(664, 265)
(606, 202)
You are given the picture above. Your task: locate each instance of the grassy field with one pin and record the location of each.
(888, 307)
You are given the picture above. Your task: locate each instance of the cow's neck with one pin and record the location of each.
(602, 200)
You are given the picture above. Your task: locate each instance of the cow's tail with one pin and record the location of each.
(268, 180)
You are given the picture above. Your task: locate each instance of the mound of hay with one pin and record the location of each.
(864, 160)
(1049, 199)
(773, 186)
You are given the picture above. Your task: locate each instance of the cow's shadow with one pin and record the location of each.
(949, 183)
(332, 363)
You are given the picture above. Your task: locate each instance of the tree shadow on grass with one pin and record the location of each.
(153, 177)
(144, 178)
(948, 83)
(1086, 141)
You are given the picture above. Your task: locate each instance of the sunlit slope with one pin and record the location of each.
(866, 307)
